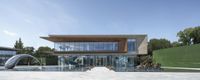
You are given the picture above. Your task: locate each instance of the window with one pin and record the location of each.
(131, 45)
(86, 46)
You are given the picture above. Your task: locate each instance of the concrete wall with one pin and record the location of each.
(142, 44)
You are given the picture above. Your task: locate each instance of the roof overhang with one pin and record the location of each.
(85, 38)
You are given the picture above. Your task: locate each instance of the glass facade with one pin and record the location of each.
(5, 55)
(86, 46)
(117, 63)
(5, 52)
(131, 45)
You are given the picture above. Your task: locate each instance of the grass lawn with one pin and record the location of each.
(185, 56)
(180, 70)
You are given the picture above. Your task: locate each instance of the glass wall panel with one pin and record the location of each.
(131, 45)
(5, 52)
(86, 46)
(5, 55)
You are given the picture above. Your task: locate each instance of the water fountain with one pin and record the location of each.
(13, 61)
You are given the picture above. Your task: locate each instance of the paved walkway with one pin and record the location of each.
(97, 75)
(181, 68)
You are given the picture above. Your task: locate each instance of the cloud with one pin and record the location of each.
(28, 21)
(9, 33)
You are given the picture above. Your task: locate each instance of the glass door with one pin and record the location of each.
(101, 61)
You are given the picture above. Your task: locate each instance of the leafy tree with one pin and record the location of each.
(176, 44)
(155, 44)
(189, 36)
(185, 36)
(45, 57)
(42, 51)
(196, 35)
(28, 50)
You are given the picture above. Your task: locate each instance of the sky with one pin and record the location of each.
(30, 19)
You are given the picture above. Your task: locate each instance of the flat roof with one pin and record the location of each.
(7, 48)
(60, 38)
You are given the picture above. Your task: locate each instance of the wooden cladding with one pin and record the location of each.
(123, 45)
(83, 39)
(122, 42)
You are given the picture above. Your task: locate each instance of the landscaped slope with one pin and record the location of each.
(186, 56)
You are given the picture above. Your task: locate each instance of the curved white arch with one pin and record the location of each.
(13, 61)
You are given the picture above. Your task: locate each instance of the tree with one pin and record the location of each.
(19, 45)
(41, 51)
(16, 45)
(185, 36)
(189, 36)
(23, 50)
(196, 35)
(155, 44)
(176, 44)
(45, 57)
(28, 50)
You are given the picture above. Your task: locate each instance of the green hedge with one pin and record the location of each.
(185, 56)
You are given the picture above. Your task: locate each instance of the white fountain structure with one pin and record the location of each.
(13, 61)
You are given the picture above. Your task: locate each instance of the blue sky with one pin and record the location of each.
(30, 19)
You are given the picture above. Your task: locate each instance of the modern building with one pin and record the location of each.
(5, 54)
(98, 50)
